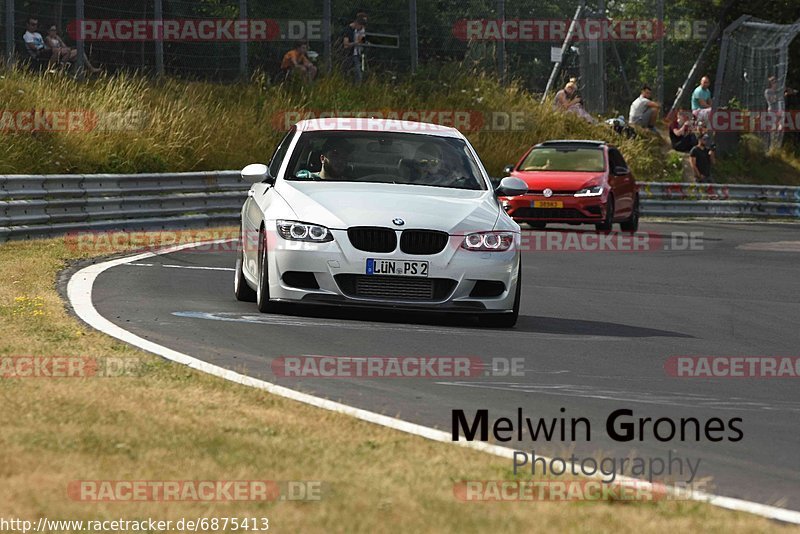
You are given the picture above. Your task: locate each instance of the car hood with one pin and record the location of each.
(557, 180)
(340, 205)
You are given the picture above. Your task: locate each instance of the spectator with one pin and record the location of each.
(355, 36)
(702, 158)
(567, 99)
(701, 100)
(296, 60)
(644, 111)
(681, 136)
(35, 44)
(61, 52)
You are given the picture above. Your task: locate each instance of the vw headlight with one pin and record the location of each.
(300, 231)
(488, 241)
(594, 191)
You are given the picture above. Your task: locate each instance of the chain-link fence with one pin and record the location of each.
(614, 49)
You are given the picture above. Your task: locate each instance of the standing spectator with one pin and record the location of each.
(701, 100)
(296, 60)
(35, 44)
(644, 111)
(702, 157)
(567, 99)
(355, 36)
(681, 136)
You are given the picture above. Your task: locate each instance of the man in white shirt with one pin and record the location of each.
(644, 111)
(35, 43)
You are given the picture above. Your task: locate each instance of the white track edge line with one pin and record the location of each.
(79, 294)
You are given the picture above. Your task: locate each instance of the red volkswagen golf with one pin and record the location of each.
(575, 182)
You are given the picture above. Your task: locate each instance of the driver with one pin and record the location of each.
(334, 158)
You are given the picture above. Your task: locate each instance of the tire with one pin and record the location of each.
(632, 224)
(537, 225)
(608, 222)
(262, 289)
(241, 289)
(505, 320)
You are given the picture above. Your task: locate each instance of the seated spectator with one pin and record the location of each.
(701, 100)
(702, 157)
(567, 99)
(296, 60)
(680, 133)
(61, 52)
(34, 43)
(644, 112)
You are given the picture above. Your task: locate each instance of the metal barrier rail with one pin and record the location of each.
(47, 205)
(667, 199)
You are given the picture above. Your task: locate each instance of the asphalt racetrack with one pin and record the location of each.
(595, 332)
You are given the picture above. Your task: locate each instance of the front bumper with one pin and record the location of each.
(336, 264)
(572, 209)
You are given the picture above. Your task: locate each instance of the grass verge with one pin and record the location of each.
(178, 125)
(172, 423)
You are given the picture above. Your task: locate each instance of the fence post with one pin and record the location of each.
(10, 31)
(413, 38)
(660, 53)
(243, 72)
(326, 35)
(79, 44)
(158, 15)
(501, 44)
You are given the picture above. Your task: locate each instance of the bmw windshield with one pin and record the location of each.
(381, 157)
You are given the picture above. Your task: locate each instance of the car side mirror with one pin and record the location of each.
(620, 170)
(511, 186)
(508, 169)
(257, 172)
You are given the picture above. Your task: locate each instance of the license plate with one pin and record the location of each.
(548, 204)
(397, 267)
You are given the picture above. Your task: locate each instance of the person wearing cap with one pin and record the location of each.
(702, 158)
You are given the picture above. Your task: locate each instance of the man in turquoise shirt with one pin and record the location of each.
(701, 100)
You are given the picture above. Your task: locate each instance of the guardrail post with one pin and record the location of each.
(158, 15)
(79, 45)
(10, 31)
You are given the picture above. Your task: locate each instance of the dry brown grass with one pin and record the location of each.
(172, 423)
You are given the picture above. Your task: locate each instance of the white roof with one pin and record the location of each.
(350, 124)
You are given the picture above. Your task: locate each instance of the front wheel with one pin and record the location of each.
(242, 291)
(505, 320)
(632, 224)
(262, 291)
(608, 222)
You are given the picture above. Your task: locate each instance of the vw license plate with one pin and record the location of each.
(547, 204)
(397, 267)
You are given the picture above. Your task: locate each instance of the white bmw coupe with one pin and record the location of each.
(380, 213)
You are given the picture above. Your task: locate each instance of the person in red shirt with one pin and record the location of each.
(296, 60)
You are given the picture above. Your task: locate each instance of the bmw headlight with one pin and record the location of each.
(300, 231)
(488, 241)
(594, 191)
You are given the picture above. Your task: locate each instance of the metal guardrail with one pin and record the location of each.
(719, 200)
(47, 205)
